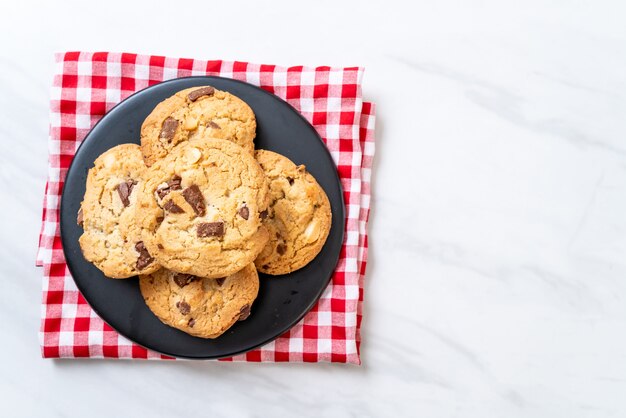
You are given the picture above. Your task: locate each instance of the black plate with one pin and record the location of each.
(282, 301)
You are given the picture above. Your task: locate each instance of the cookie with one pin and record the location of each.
(111, 239)
(192, 113)
(201, 307)
(200, 208)
(298, 218)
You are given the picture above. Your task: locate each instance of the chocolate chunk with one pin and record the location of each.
(79, 217)
(220, 281)
(265, 266)
(204, 91)
(160, 246)
(214, 125)
(244, 212)
(168, 129)
(144, 259)
(191, 323)
(182, 279)
(263, 214)
(290, 180)
(162, 192)
(183, 307)
(211, 229)
(172, 207)
(244, 313)
(124, 190)
(173, 184)
(281, 249)
(193, 196)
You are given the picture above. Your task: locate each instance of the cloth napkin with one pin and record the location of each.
(86, 85)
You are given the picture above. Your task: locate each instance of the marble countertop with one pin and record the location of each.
(497, 278)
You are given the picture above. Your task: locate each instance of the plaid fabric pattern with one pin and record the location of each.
(87, 85)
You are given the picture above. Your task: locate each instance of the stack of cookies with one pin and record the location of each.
(195, 211)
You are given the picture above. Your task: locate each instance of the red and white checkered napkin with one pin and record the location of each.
(87, 85)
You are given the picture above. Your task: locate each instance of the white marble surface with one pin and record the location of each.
(497, 279)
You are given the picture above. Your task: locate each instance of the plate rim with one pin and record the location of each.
(292, 323)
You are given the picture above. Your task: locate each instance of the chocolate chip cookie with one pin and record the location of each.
(201, 307)
(194, 113)
(200, 208)
(111, 239)
(298, 218)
